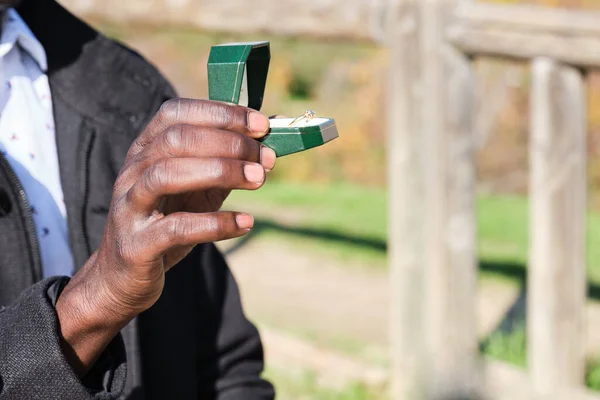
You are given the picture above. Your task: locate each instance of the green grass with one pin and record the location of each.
(509, 347)
(348, 222)
(345, 209)
(592, 376)
(512, 348)
(502, 228)
(304, 385)
(351, 222)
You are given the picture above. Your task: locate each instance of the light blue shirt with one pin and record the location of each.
(27, 139)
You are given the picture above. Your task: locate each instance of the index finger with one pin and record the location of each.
(206, 113)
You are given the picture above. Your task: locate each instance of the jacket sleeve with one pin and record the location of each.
(32, 365)
(239, 351)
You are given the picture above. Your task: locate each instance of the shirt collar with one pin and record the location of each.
(16, 31)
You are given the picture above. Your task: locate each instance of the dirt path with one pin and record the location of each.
(342, 305)
(336, 370)
(317, 314)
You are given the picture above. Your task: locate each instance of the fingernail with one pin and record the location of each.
(244, 221)
(254, 173)
(267, 158)
(257, 122)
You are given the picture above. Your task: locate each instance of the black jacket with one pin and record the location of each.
(195, 342)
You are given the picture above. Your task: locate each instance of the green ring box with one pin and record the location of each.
(237, 73)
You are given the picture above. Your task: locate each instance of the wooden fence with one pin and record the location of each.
(433, 239)
(431, 168)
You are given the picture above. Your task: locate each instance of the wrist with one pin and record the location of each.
(87, 321)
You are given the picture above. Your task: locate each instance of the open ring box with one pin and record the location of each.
(237, 73)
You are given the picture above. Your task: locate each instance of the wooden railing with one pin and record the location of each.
(432, 234)
(433, 237)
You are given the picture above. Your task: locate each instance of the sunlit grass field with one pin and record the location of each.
(351, 221)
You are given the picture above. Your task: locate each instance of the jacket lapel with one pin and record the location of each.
(74, 144)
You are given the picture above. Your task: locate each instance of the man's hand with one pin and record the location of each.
(166, 200)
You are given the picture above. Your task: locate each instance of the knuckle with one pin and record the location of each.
(199, 138)
(138, 145)
(223, 114)
(173, 139)
(229, 115)
(121, 182)
(176, 229)
(143, 158)
(215, 223)
(217, 169)
(238, 146)
(156, 176)
(170, 110)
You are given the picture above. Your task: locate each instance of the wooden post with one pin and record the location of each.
(405, 211)
(432, 216)
(557, 281)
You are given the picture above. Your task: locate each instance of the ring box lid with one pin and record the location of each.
(237, 73)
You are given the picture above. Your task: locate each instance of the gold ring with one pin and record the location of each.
(308, 115)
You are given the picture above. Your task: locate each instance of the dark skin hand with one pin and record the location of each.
(166, 200)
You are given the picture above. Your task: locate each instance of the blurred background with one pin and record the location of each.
(313, 272)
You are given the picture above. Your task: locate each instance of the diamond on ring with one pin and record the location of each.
(308, 115)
